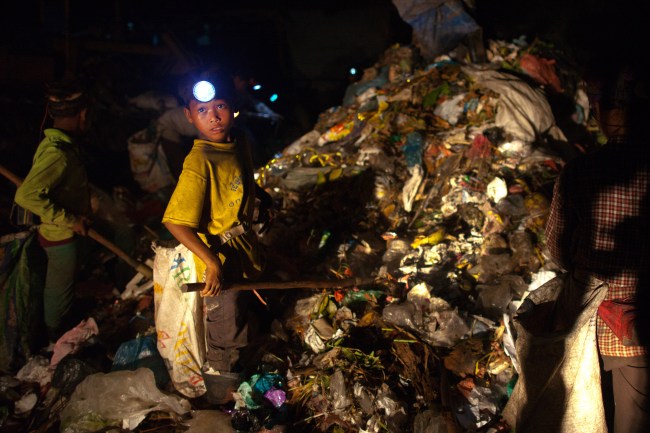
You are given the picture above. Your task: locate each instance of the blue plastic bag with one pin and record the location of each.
(142, 352)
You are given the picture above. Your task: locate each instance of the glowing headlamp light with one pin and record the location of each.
(204, 91)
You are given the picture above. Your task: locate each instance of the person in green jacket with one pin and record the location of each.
(56, 189)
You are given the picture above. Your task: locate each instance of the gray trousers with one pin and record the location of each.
(226, 328)
(631, 393)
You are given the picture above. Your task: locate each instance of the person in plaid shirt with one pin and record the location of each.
(599, 222)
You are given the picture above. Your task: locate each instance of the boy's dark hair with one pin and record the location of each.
(221, 81)
(65, 98)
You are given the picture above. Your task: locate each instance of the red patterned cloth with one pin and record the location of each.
(600, 223)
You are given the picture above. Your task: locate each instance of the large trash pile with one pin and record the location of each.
(436, 181)
(432, 183)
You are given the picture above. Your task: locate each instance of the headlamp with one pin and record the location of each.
(204, 91)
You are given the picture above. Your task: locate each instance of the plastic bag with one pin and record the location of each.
(22, 277)
(179, 319)
(338, 392)
(120, 398)
(405, 314)
(447, 329)
(522, 111)
(73, 340)
(438, 26)
(141, 352)
(148, 162)
(36, 371)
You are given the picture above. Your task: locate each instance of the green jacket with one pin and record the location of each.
(56, 187)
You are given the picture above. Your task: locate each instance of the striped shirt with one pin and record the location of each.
(600, 223)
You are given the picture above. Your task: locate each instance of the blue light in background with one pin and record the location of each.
(274, 97)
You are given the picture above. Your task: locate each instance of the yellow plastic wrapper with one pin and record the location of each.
(432, 239)
(336, 132)
(538, 208)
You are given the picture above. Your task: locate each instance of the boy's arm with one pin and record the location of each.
(213, 273)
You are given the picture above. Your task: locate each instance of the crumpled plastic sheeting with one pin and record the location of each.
(73, 339)
(36, 370)
(523, 111)
(480, 402)
(121, 399)
(338, 392)
(437, 25)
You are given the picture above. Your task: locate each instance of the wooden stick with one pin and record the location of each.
(140, 267)
(9, 175)
(284, 285)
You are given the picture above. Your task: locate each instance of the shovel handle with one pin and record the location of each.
(279, 285)
(10, 176)
(140, 267)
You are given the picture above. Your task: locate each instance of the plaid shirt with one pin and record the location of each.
(600, 223)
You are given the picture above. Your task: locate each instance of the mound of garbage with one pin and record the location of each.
(431, 182)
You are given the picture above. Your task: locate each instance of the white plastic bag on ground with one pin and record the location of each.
(179, 319)
(120, 398)
(522, 110)
(37, 370)
(148, 162)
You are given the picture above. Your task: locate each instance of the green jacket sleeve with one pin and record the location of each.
(35, 192)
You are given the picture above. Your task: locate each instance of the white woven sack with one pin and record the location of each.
(148, 162)
(179, 319)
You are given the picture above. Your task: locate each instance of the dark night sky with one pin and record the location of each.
(301, 49)
(293, 44)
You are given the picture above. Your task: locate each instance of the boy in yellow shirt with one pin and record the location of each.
(211, 213)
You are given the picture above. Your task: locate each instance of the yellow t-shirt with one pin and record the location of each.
(215, 192)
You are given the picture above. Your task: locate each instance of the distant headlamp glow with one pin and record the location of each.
(353, 71)
(257, 87)
(204, 91)
(274, 97)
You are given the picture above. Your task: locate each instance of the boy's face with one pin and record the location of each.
(213, 119)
